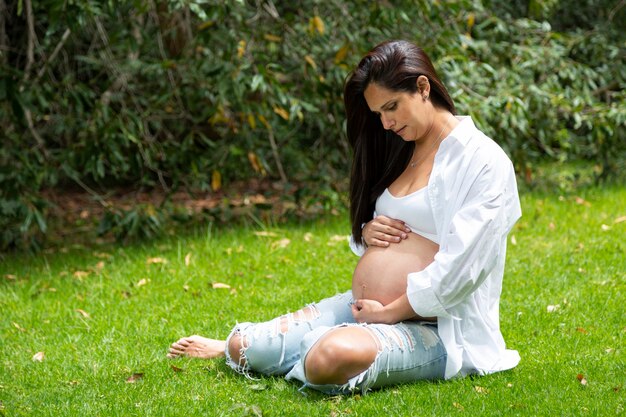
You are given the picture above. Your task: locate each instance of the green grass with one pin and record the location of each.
(559, 255)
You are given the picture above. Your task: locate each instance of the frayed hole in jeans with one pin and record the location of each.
(397, 336)
(429, 337)
(308, 313)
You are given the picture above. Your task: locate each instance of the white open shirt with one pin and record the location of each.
(473, 193)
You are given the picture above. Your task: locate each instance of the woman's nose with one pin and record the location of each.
(386, 121)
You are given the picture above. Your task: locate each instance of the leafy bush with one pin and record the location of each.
(543, 93)
(183, 94)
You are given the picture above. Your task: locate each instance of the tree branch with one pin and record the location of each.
(159, 38)
(279, 165)
(616, 9)
(31, 127)
(121, 78)
(4, 41)
(32, 38)
(54, 54)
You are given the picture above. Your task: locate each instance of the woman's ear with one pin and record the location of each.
(423, 86)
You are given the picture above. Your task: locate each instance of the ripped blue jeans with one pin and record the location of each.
(407, 351)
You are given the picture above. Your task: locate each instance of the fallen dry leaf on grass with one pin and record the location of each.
(176, 368)
(134, 377)
(582, 379)
(39, 356)
(279, 244)
(18, 327)
(308, 237)
(553, 308)
(265, 234)
(142, 282)
(337, 239)
(481, 390)
(81, 274)
(219, 285)
(620, 219)
(150, 261)
(10, 277)
(188, 259)
(582, 202)
(82, 313)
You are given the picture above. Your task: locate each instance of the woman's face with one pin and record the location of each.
(406, 114)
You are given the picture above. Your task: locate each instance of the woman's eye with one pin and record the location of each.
(392, 107)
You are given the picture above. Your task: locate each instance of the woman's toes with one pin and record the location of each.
(181, 345)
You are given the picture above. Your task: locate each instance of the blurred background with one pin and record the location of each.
(126, 119)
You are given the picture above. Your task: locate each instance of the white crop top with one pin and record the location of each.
(413, 209)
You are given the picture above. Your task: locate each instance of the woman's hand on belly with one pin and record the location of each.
(382, 230)
(372, 311)
(368, 311)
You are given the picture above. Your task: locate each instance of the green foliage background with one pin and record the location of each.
(183, 94)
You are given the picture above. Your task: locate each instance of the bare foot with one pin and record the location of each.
(197, 347)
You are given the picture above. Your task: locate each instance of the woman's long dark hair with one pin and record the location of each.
(380, 156)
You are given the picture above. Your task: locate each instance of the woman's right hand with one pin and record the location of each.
(382, 230)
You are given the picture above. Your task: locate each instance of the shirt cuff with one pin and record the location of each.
(357, 248)
(422, 297)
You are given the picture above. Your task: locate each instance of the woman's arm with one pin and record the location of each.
(371, 311)
(474, 240)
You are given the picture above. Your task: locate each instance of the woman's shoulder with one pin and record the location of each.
(471, 144)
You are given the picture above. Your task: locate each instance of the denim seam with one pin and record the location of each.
(421, 365)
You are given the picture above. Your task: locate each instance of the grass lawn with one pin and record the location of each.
(101, 315)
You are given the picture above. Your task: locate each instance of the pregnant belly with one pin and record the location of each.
(381, 272)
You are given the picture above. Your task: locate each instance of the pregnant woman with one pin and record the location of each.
(432, 200)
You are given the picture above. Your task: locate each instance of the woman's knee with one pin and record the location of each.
(339, 355)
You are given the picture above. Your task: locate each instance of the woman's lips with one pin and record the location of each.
(397, 132)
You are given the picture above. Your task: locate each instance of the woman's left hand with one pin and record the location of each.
(368, 311)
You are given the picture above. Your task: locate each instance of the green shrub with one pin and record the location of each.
(197, 94)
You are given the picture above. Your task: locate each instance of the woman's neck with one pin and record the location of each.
(443, 123)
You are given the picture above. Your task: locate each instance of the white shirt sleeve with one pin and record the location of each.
(469, 249)
(357, 248)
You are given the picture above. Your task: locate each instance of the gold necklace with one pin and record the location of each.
(413, 164)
